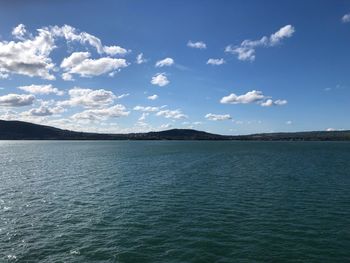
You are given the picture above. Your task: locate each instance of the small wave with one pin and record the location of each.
(74, 252)
(11, 257)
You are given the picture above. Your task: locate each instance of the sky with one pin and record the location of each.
(228, 67)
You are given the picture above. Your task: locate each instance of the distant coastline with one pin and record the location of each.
(18, 130)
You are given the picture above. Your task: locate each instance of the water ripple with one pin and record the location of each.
(174, 202)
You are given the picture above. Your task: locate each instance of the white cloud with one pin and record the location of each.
(243, 53)
(123, 96)
(23, 116)
(346, 18)
(102, 114)
(267, 103)
(16, 100)
(43, 111)
(333, 129)
(249, 97)
(218, 117)
(153, 97)
(143, 116)
(80, 63)
(19, 31)
(70, 33)
(216, 61)
(164, 62)
(289, 122)
(246, 50)
(284, 32)
(172, 114)
(88, 98)
(29, 57)
(74, 59)
(4, 75)
(253, 96)
(270, 102)
(199, 44)
(67, 77)
(146, 109)
(160, 79)
(114, 50)
(140, 59)
(280, 102)
(41, 89)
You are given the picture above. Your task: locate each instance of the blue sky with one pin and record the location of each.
(230, 67)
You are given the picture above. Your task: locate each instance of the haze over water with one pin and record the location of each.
(170, 201)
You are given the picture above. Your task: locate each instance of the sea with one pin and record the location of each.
(174, 201)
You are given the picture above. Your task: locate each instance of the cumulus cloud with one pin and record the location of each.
(216, 61)
(16, 100)
(88, 98)
(28, 57)
(19, 31)
(74, 59)
(243, 53)
(199, 44)
(43, 111)
(253, 96)
(160, 79)
(67, 77)
(249, 97)
(218, 117)
(346, 18)
(270, 102)
(164, 62)
(172, 114)
(114, 50)
(81, 63)
(153, 97)
(41, 89)
(246, 50)
(140, 59)
(115, 111)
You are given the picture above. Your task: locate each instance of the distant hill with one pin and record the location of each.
(298, 136)
(18, 130)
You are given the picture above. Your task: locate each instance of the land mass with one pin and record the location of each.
(18, 130)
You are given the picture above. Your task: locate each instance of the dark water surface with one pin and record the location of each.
(167, 201)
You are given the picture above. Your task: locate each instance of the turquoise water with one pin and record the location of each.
(167, 201)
